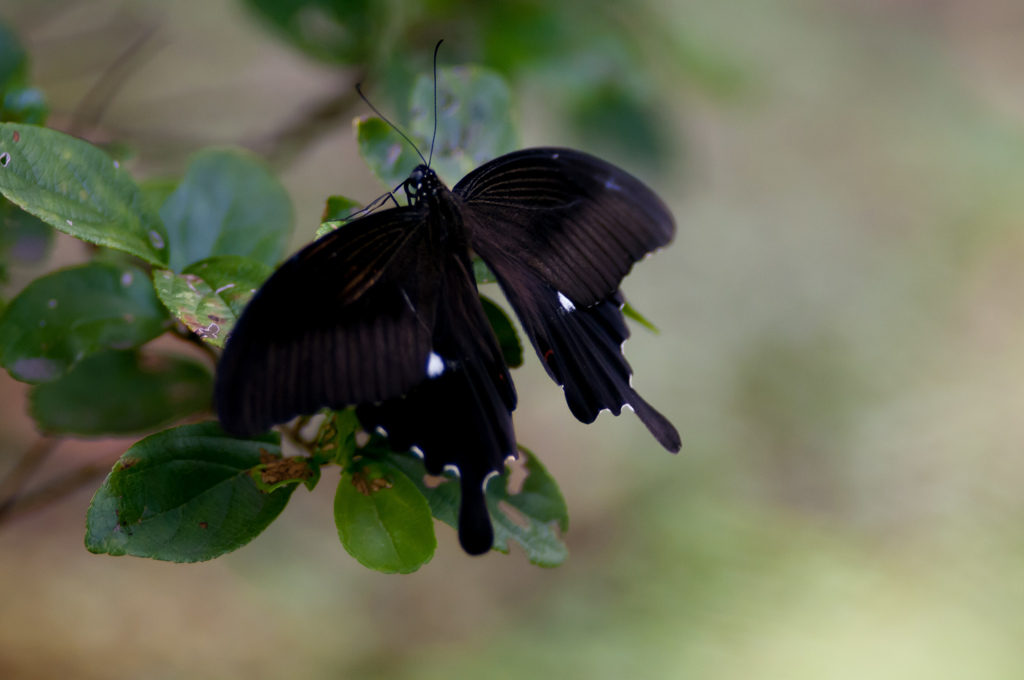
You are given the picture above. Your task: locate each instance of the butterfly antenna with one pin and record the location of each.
(395, 127)
(432, 139)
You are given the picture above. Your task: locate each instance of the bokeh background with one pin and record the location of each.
(841, 348)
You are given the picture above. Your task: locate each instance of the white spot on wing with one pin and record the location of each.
(566, 303)
(435, 365)
(417, 450)
(610, 184)
(487, 478)
(452, 469)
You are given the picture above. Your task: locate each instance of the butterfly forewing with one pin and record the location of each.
(347, 320)
(578, 222)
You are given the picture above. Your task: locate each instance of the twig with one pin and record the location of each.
(53, 492)
(12, 484)
(284, 146)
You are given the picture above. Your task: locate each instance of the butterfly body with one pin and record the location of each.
(384, 314)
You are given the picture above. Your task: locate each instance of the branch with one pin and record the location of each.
(53, 492)
(12, 485)
(284, 146)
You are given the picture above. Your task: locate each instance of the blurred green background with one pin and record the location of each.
(842, 350)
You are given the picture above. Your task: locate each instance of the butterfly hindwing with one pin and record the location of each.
(347, 320)
(461, 415)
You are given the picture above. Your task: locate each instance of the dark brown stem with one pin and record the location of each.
(284, 146)
(53, 492)
(14, 482)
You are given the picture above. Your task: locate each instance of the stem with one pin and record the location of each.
(283, 147)
(51, 493)
(12, 484)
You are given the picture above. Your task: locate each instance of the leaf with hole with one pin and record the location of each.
(209, 295)
(76, 188)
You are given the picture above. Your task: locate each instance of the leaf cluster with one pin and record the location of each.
(181, 257)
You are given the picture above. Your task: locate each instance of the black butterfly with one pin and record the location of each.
(384, 314)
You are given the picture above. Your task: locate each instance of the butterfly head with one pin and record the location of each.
(423, 184)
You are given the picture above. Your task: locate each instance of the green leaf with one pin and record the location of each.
(474, 119)
(482, 272)
(336, 212)
(275, 472)
(383, 520)
(157, 191)
(474, 125)
(508, 339)
(117, 393)
(25, 105)
(613, 113)
(211, 294)
(335, 31)
(184, 495)
(539, 504)
(338, 208)
(336, 439)
(62, 317)
(628, 310)
(388, 156)
(13, 60)
(228, 203)
(76, 188)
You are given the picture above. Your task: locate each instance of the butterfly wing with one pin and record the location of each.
(560, 229)
(577, 222)
(347, 320)
(461, 415)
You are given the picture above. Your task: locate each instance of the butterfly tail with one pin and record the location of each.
(476, 535)
(659, 425)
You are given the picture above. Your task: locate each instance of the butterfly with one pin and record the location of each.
(384, 314)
